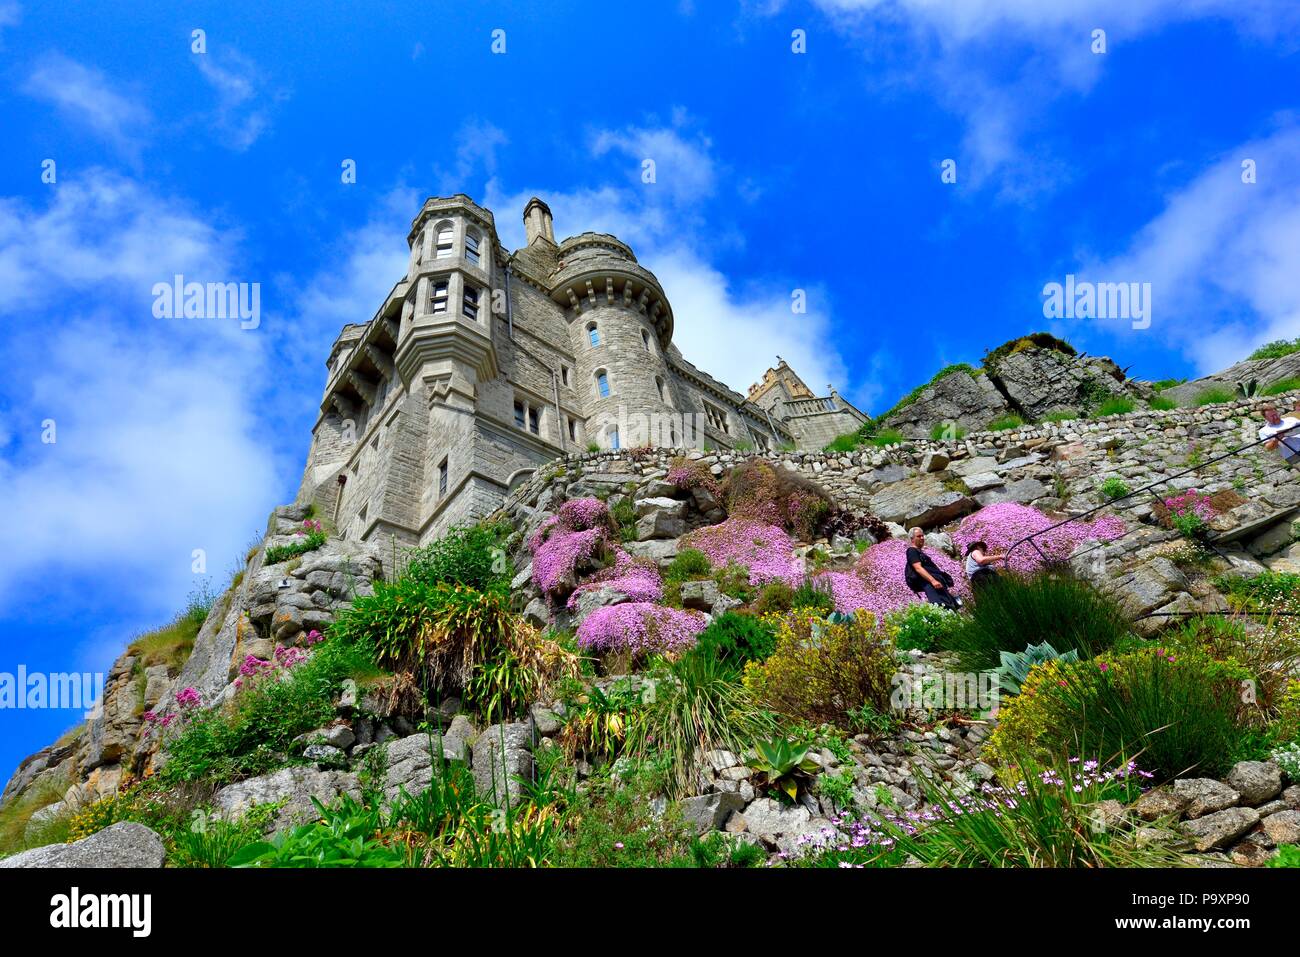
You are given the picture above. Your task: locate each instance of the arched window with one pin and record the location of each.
(613, 439)
(442, 243)
(659, 387)
(602, 383)
(471, 246)
(593, 334)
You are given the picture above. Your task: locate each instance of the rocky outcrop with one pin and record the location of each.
(125, 844)
(1263, 372)
(967, 400)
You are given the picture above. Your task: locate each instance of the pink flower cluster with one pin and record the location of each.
(1191, 502)
(640, 628)
(638, 579)
(882, 567)
(187, 699)
(1005, 523)
(311, 526)
(766, 550)
(580, 530)
(848, 590)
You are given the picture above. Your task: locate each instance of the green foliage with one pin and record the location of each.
(211, 841)
(472, 556)
(843, 443)
(947, 432)
(824, 671)
(253, 732)
(597, 721)
(1118, 405)
(813, 598)
(1281, 386)
(1044, 822)
(1061, 415)
(1266, 591)
(1004, 423)
(911, 397)
(920, 625)
(1114, 487)
(593, 446)
(1013, 613)
(783, 767)
(689, 564)
(1164, 384)
(1288, 759)
(1288, 855)
(776, 596)
(733, 581)
(345, 836)
(1162, 403)
(699, 706)
(1035, 340)
(1276, 349)
(886, 437)
(1015, 666)
(1214, 395)
(613, 824)
(734, 639)
(16, 815)
(624, 515)
(305, 543)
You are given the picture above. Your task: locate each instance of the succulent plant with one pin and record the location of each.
(1015, 665)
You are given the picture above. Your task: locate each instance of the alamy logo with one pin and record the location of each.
(667, 430)
(1098, 300)
(74, 910)
(37, 690)
(212, 300)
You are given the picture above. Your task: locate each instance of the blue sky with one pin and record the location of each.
(775, 170)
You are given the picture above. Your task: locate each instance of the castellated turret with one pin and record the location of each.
(482, 364)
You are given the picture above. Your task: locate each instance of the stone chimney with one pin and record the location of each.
(537, 222)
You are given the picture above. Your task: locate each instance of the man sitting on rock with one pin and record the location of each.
(1280, 436)
(926, 578)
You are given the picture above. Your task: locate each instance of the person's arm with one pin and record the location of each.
(920, 570)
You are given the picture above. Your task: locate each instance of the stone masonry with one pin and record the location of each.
(482, 364)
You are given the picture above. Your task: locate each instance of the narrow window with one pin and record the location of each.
(564, 375)
(659, 387)
(573, 431)
(438, 296)
(443, 247)
(645, 340)
(442, 479)
(471, 247)
(613, 439)
(533, 424)
(519, 414)
(469, 306)
(602, 384)
(593, 334)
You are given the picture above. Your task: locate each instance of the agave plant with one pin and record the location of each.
(784, 766)
(1015, 665)
(1247, 389)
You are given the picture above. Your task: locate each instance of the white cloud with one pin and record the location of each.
(1220, 247)
(86, 97)
(157, 450)
(241, 114)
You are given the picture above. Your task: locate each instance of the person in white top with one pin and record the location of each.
(1282, 434)
(978, 562)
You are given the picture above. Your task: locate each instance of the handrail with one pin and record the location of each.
(1164, 481)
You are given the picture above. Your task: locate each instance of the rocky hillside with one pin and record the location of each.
(553, 662)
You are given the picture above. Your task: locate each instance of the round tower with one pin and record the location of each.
(620, 327)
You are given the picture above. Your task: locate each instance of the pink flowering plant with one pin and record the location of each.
(1004, 524)
(884, 587)
(765, 550)
(640, 629)
(1190, 513)
(579, 534)
(637, 578)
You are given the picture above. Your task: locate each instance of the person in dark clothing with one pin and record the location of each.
(926, 578)
(979, 564)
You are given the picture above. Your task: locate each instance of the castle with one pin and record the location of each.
(483, 364)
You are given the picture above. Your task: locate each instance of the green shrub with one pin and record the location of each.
(1015, 666)
(1119, 405)
(767, 492)
(1164, 384)
(1266, 591)
(690, 564)
(1114, 487)
(886, 437)
(1012, 613)
(920, 625)
(824, 671)
(253, 732)
(1061, 415)
(699, 706)
(614, 824)
(1214, 395)
(1276, 349)
(1004, 423)
(308, 542)
(1162, 403)
(345, 836)
(456, 641)
(472, 556)
(843, 443)
(735, 639)
(1181, 712)
(947, 432)
(1288, 855)
(776, 596)
(812, 597)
